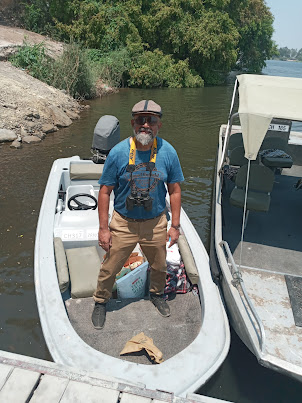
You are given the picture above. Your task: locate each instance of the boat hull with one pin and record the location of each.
(250, 303)
(181, 374)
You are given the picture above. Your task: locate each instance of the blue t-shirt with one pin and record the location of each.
(167, 170)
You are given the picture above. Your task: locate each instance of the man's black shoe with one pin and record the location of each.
(99, 315)
(160, 304)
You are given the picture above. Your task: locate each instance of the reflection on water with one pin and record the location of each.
(283, 68)
(191, 120)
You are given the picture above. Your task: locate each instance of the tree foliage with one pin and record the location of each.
(162, 38)
(299, 55)
(293, 54)
(255, 26)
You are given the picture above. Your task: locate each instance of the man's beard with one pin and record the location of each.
(144, 136)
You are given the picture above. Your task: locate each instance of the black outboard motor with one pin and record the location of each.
(106, 135)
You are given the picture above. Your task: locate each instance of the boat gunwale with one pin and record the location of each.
(51, 307)
(234, 301)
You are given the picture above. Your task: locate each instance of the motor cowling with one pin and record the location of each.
(106, 135)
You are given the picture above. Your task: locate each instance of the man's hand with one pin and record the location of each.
(105, 239)
(174, 235)
(175, 203)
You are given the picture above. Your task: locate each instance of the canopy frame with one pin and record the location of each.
(258, 105)
(262, 98)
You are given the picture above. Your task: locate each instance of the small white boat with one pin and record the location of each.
(194, 340)
(256, 239)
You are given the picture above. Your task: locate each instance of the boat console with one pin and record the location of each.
(76, 218)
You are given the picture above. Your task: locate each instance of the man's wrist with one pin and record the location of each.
(175, 227)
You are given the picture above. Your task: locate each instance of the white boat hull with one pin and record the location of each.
(181, 374)
(273, 339)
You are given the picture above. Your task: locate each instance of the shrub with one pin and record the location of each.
(35, 15)
(154, 69)
(111, 67)
(71, 71)
(34, 59)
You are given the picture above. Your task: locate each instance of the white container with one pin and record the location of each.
(133, 284)
(173, 256)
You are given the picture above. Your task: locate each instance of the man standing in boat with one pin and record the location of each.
(138, 170)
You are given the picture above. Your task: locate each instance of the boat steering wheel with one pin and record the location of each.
(80, 205)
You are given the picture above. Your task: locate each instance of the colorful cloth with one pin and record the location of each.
(177, 280)
(230, 172)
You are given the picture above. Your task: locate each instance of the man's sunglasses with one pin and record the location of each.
(141, 120)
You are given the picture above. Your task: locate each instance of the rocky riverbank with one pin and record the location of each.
(29, 108)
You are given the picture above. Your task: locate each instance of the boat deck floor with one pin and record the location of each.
(129, 317)
(272, 240)
(270, 297)
(271, 250)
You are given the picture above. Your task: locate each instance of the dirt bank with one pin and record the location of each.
(29, 108)
(11, 38)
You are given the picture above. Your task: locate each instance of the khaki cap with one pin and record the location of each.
(147, 106)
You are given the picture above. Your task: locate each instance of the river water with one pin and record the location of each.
(191, 120)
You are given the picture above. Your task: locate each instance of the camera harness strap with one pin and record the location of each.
(150, 165)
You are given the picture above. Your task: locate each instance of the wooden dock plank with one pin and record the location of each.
(82, 392)
(19, 386)
(50, 389)
(129, 398)
(5, 371)
(31, 380)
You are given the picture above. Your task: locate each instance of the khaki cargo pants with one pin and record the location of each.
(151, 235)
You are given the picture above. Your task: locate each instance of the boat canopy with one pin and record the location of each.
(262, 98)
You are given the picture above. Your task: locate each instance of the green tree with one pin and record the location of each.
(201, 32)
(299, 55)
(107, 26)
(255, 25)
(209, 37)
(284, 53)
(293, 53)
(154, 69)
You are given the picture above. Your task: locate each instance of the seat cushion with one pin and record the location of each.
(276, 162)
(82, 171)
(255, 201)
(84, 266)
(261, 178)
(188, 259)
(61, 264)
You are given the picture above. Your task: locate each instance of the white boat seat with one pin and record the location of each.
(84, 266)
(61, 264)
(261, 182)
(85, 170)
(78, 267)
